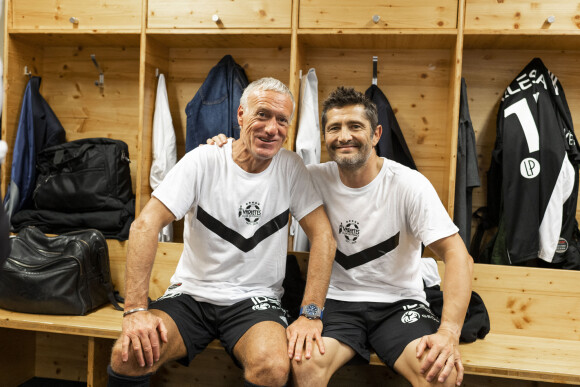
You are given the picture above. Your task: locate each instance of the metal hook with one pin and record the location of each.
(101, 81)
(375, 62)
(26, 72)
(157, 72)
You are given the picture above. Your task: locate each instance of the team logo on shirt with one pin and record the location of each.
(251, 212)
(350, 230)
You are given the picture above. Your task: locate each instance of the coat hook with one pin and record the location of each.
(375, 62)
(101, 82)
(157, 72)
(26, 72)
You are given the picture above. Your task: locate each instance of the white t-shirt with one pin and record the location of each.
(379, 229)
(236, 223)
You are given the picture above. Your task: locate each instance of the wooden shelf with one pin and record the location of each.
(373, 39)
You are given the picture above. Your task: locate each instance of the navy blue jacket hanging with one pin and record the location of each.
(38, 128)
(392, 144)
(213, 109)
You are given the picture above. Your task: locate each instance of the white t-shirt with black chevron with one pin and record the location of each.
(379, 229)
(236, 223)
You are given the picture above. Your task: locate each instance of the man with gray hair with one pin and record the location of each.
(228, 283)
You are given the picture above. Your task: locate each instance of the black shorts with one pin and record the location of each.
(200, 322)
(386, 328)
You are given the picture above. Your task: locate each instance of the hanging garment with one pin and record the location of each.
(533, 182)
(164, 148)
(213, 109)
(307, 142)
(467, 173)
(38, 128)
(392, 144)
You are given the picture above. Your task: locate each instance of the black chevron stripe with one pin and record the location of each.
(242, 243)
(367, 255)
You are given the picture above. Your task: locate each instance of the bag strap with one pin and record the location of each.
(59, 155)
(115, 298)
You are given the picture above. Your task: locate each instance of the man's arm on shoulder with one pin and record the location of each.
(322, 251)
(141, 330)
(456, 295)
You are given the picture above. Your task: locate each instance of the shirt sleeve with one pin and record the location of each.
(428, 219)
(304, 198)
(179, 190)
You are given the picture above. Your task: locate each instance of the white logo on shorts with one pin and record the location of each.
(261, 306)
(410, 317)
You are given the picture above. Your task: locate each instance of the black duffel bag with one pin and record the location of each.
(85, 175)
(66, 274)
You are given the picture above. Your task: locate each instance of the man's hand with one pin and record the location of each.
(218, 140)
(301, 333)
(443, 355)
(142, 331)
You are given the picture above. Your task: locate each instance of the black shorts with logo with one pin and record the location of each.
(200, 322)
(386, 328)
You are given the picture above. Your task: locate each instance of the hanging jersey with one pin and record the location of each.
(531, 178)
(236, 223)
(379, 229)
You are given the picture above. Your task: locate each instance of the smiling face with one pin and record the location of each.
(264, 123)
(349, 137)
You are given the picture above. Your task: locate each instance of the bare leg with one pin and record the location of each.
(263, 352)
(318, 370)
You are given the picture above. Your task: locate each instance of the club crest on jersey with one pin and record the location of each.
(562, 246)
(350, 230)
(251, 212)
(530, 168)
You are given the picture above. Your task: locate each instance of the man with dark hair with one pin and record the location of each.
(381, 212)
(236, 202)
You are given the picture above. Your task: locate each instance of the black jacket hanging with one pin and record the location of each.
(392, 144)
(467, 173)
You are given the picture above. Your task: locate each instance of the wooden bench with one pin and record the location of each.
(535, 335)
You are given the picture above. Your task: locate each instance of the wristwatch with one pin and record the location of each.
(311, 311)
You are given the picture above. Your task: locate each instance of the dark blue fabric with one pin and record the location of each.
(38, 128)
(213, 109)
(392, 144)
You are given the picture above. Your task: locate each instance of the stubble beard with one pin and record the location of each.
(354, 162)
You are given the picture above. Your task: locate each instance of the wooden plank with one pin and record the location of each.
(104, 322)
(522, 14)
(99, 355)
(378, 40)
(19, 366)
(391, 14)
(61, 357)
(549, 360)
(231, 14)
(91, 14)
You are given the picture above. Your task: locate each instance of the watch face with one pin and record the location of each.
(311, 311)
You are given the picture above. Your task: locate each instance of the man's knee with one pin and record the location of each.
(311, 371)
(129, 367)
(267, 369)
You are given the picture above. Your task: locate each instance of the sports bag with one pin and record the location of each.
(85, 175)
(66, 274)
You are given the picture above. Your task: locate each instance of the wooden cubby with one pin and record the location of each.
(423, 49)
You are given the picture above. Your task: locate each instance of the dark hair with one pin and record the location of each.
(347, 96)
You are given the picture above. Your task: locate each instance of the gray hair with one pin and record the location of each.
(266, 84)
